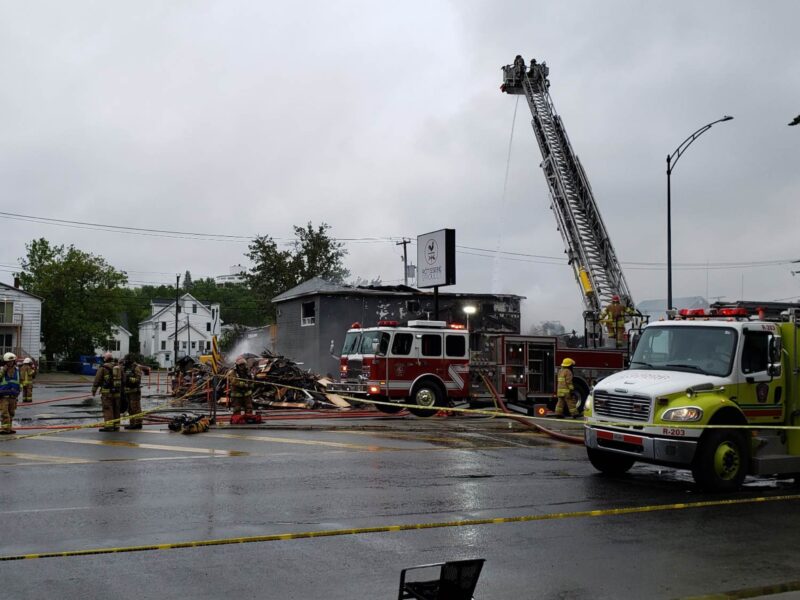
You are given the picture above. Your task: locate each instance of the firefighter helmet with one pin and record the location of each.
(615, 298)
(27, 361)
(9, 356)
(567, 362)
(108, 356)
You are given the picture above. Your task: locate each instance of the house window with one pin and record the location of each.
(6, 342)
(208, 345)
(6, 312)
(183, 345)
(163, 325)
(112, 345)
(163, 345)
(166, 357)
(208, 326)
(194, 345)
(194, 309)
(213, 313)
(179, 308)
(308, 314)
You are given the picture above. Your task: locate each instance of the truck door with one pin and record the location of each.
(760, 396)
(541, 368)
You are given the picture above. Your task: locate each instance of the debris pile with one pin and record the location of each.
(280, 383)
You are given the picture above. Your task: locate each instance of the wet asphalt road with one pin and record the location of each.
(84, 489)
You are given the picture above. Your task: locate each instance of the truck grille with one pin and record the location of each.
(354, 367)
(633, 408)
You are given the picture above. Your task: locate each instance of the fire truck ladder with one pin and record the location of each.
(588, 245)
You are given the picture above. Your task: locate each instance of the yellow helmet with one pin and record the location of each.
(567, 362)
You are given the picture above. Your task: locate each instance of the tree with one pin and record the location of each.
(187, 281)
(313, 254)
(82, 297)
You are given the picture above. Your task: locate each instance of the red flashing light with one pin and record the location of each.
(733, 312)
(457, 326)
(692, 312)
(388, 323)
(355, 325)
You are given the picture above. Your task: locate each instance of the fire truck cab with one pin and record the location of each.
(424, 363)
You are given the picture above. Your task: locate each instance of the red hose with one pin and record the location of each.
(27, 404)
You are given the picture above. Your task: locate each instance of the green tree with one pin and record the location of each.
(313, 254)
(82, 295)
(187, 281)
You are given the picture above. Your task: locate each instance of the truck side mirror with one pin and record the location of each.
(775, 355)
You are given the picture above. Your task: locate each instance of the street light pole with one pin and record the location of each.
(672, 160)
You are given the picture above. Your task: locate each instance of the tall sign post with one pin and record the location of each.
(436, 262)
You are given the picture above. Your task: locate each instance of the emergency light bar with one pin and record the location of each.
(713, 312)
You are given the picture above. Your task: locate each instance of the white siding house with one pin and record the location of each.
(197, 323)
(119, 344)
(20, 322)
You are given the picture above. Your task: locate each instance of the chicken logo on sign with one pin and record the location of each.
(431, 251)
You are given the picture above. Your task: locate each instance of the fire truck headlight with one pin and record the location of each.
(374, 389)
(687, 413)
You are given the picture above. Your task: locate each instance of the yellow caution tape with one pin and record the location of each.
(406, 527)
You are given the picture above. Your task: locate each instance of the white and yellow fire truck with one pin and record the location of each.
(715, 391)
(429, 363)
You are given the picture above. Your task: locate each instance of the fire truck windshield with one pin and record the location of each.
(708, 350)
(374, 342)
(351, 343)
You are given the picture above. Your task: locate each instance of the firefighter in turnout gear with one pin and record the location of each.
(615, 315)
(241, 387)
(28, 373)
(9, 392)
(109, 381)
(566, 390)
(132, 390)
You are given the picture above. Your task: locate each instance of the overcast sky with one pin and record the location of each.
(385, 120)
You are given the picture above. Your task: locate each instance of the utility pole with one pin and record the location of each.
(405, 244)
(177, 298)
(188, 336)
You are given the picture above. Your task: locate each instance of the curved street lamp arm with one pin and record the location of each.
(688, 142)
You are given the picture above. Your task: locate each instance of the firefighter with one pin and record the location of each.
(615, 315)
(9, 392)
(109, 381)
(519, 67)
(566, 391)
(132, 390)
(28, 374)
(240, 387)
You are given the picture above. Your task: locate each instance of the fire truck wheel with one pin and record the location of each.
(720, 464)
(389, 410)
(427, 395)
(609, 463)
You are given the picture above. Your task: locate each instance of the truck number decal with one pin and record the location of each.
(673, 431)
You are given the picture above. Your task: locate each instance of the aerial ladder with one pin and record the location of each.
(588, 246)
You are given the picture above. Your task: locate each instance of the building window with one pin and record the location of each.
(163, 345)
(6, 341)
(208, 326)
(6, 312)
(163, 325)
(166, 357)
(112, 345)
(179, 308)
(308, 314)
(194, 345)
(213, 313)
(208, 345)
(183, 345)
(194, 309)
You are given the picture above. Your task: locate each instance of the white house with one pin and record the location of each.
(197, 323)
(118, 344)
(20, 321)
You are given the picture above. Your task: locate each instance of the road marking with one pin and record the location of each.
(123, 444)
(405, 527)
(280, 440)
(43, 457)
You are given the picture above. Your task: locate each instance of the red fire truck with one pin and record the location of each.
(429, 363)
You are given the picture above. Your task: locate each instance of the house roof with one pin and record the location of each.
(20, 290)
(167, 304)
(121, 328)
(318, 285)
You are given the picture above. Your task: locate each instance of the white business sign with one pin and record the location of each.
(436, 258)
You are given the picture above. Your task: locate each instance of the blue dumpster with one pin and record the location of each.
(89, 364)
